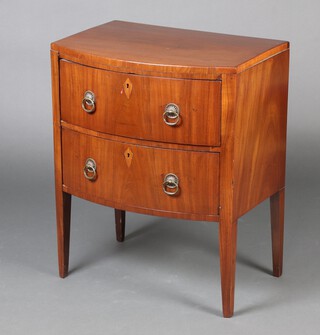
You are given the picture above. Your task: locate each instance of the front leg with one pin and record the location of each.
(63, 209)
(228, 251)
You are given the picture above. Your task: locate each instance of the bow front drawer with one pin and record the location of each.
(143, 107)
(125, 176)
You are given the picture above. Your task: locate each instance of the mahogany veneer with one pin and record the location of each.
(171, 122)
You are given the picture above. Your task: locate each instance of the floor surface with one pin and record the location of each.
(164, 279)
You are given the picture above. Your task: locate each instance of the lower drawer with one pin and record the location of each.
(133, 177)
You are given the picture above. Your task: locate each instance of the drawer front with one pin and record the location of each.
(135, 176)
(133, 106)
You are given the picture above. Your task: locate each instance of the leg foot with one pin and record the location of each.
(120, 219)
(277, 229)
(228, 251)
(63, 207)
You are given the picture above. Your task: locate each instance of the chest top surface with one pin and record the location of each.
(139, 48)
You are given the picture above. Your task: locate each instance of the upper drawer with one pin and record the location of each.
(134, 106)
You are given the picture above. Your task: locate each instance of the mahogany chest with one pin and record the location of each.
(174, 123)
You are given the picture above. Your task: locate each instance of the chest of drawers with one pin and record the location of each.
(171, 122)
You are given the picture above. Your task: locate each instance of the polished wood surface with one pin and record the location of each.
(63, 200)
(228, 150)
(63, 232)
(260, 132)
(141, 115)
(120, 221)
(277, 229)
(227, 219)
(140, 184)
(142, 142)
(228, 254)
(140, 48)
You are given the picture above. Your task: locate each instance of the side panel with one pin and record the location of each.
(260, 132)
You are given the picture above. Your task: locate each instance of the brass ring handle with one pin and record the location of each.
(171, 115)
(170, 181)
(89, 99)
(90, 169)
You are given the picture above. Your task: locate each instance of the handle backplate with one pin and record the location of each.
(170, 184)
(171, 115)
(90, 169)
(89, 102)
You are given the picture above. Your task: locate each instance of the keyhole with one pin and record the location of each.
(127, 85)
(128, 155)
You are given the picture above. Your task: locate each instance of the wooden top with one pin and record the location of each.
(141, 48)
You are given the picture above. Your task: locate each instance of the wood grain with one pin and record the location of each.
(120, 221)
(228, 223)
(141, 115)
(142, 142)
(228, 150)
(63, 200)
(260, 132)
(140, 185)
(228, 252)
(277, 228)
(142, 49)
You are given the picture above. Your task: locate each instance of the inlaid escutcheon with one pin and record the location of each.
(141, 115)
(127, 88)
(128, 155)
(141, 186)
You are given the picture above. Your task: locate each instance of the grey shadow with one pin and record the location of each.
(251, 264)
(140, 232)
